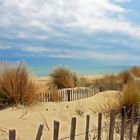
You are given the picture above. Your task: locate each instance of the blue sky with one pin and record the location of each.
(101, 31)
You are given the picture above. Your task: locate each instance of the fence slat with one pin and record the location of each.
(112, 124)
(99, 126)
(12, 134)
(123, 124)
(73, 127)
(39, 132)
(138, 130)
(87, 127)
(56, 130)
(68, 93)
(131, 124)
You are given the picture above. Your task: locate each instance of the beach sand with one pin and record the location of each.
(26, 120)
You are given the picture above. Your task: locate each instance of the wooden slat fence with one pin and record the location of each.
(124, 125)
(69, 94)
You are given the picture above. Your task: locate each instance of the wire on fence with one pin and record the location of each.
(96, 129)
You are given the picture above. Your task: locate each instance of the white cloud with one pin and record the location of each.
(86, 15)
(118, 56)
(5, 47)
(122, 1)
(99, 55)
(35, 49)
(43, 50)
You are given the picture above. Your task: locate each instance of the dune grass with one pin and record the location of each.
(16, 86)
(131, 94)
(63, 78)
(124, 77)
(135, 70)
(108, 82)
(131, 97)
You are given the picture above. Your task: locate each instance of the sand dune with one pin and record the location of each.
(26, 120)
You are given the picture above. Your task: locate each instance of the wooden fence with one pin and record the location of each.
(69, 94)
(125, 124)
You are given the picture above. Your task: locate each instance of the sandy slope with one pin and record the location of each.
(27, 125)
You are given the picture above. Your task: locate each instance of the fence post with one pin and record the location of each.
(99, 126)
(39, 132)
(138, 130)
(68, 93)
(123, 124)
(112, 124)
(73, 127)
(87, 127)
(131, 123)
(12, 134)
(56, 130)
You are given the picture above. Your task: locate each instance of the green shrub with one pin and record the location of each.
(63, 78)
(16, 86)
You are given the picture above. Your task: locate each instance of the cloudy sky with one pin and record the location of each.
(102, 31)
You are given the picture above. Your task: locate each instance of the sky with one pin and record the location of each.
(101, 31)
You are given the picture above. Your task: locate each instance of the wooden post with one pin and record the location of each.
(112, 124)
(131, 123)
(72, 95)
(80, 90)
(63, 96)
(78, 93)
(56, 130)
(75, 94)
(41, 97)
(87, 127)
(99, 126)
(39, 132)
(12, 134)
(73, 127)
(68, 94)
(48, 96)
(123, 124)
(138, 130)
(88, 90)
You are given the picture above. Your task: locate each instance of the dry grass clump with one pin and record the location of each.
(64, 78)
(54, 93)
(124, 77)
(135, 70)
(109, 79)
(131, 94)
(16, 87)
(83, 82)
(108, 82)
(114, 82)
(131, 97)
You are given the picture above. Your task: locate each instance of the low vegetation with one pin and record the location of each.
(108, 82)
(16, 86)
(135, 70)
(124, 77)
(63, 78)
(114, 82)
(131, 96)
